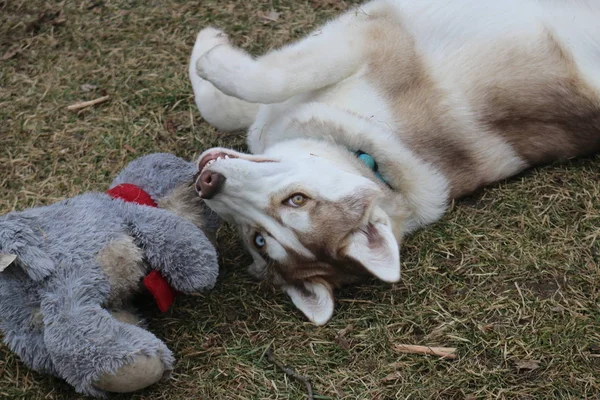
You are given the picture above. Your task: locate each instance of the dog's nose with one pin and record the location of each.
(209, 184)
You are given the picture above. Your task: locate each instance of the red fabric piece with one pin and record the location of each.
(163, 293)
(157, 285)
(131, 193)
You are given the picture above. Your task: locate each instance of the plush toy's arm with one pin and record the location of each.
(20, 240)
(175, 247)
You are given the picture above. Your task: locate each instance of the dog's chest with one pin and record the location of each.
(355, 94)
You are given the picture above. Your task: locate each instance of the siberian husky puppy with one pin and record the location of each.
(364, 130)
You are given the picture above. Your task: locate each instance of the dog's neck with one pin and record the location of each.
(417, 193)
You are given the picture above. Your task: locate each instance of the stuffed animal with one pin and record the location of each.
(68, 272)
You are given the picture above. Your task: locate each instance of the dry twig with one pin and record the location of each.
(291, 373)
(444, 352)
(84, 104)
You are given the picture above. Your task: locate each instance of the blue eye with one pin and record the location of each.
(259, 241)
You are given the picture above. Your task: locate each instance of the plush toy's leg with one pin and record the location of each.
(21, 319)
(142, 372)
(92, 350)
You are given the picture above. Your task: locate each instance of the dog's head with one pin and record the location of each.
(310, 222)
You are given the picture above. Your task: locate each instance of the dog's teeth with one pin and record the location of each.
(219, 158)
(226, 156)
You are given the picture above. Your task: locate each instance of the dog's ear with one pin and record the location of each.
(314, 299)
(374, 246)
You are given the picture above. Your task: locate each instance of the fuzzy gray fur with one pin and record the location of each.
(53, 297)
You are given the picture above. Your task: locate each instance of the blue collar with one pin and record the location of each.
(369, 161)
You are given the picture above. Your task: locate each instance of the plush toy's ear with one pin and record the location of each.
(314, 299)
(6, 260)
(375, 247)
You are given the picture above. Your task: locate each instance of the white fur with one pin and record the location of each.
(298, 220)
(425, 188)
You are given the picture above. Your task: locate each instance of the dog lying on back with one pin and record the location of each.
(364, 130)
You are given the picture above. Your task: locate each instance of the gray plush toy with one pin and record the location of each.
(69, 270)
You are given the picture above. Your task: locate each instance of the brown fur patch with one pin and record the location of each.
(527, 92)
(537, 101)
(122, 262)
(332, 222)
(429, 129)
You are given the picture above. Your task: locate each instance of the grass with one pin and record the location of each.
(510, 276)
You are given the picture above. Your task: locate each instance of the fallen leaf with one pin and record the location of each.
(529, 365)
(13, 51)
(344, 331)
(95, 4)
(59, 20)
(129, 148)
(341, 340)
(87, 87)
(394, 376)
(335, 4)
(44, 17)
(486, 328)
(398, 365)
(170, 126)
(270, 16)
(211, 341)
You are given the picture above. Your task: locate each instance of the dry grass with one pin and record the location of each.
(510, 277)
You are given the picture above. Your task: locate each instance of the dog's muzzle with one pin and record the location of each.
(209, 184)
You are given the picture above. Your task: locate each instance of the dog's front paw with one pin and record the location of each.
(207, 39)
(229, 69)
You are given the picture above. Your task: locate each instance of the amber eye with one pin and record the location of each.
(296, 200)
(259, 240)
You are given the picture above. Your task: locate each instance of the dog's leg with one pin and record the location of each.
(223, 112)
(319, 60)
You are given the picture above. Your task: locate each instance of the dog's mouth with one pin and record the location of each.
(218, 154)
(209, 182)
(210, 158)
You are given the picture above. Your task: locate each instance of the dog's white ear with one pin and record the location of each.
(315, 300)
(375, 247)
